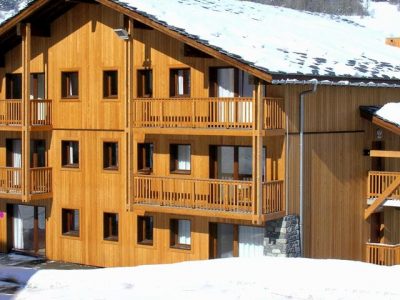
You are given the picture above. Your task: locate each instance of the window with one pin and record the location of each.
(231, 240)
(13, 86)
(145, 84)
(180, 158)
(70, 222)
(180, 234)
(110, 226)
(110, 155)
(145, 157)
(233, 162)
(37, 83)
(180, 83)
(145, 230)
(110, 84)
(70, 154)
(69, 85)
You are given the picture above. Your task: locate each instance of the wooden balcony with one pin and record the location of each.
(378, 182)
(11, 117)
(207, 115)
(383, 254)
(11, 183)
(206, 197)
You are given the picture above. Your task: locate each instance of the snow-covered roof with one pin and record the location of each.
(8, 14)
(279, 41)
(390, 112)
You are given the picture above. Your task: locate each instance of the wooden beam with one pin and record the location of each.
(384, 153)
(26, 61)
(382, 198)
(185, 39)
(393, 41)
(384, 124)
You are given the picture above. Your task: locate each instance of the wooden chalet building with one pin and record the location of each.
(130, 136)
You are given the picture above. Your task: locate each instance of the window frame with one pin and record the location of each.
(142, 149)
(142, 231)
(68, 215)
(66, 153)
(174, 82)
(174, 234)
(108, 226)
(65, 80)
(108, 85)
(111, 167)
(174, 159)
(142, 81)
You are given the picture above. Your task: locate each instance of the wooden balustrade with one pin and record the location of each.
(383, 254)
(222, 195)
(10, 113)
(378, 182)
(41, 112)
(41, 180)
(234, 113)
(273, 200)
(11, 180)
(274, 113)
(207, 194)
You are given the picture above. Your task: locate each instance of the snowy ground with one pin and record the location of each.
(235, 278)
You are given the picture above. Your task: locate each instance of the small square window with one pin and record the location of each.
(179, 83)
(145, 157)
(110, 227)
(180, 234)
(145, 230)
(110, 84)
(70, 85)
(145, 84)
(110, 155)
(70, 222)
(70, 154)
(180, 158)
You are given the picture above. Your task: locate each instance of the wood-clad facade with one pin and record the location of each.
(117, 117)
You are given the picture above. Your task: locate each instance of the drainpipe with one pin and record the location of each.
(301, 163)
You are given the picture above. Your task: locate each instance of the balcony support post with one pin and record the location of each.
(258, 114)
(128, 23)
(26, 59)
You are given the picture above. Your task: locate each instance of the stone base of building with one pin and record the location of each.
(282, 237)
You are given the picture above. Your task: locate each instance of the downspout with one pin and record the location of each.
(301, 162)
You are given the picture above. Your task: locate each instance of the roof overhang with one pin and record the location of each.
(369, 113)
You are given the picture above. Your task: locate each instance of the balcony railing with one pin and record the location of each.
(383, 254)
(234, 113)
(41, 180)
(11, 112)
(378, 182)
(273, 197)
(11, 180)
(206, 194)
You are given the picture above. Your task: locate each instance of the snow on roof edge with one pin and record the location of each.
(390, 112)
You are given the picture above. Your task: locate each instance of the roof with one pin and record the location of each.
(386, 116)
(282, 42)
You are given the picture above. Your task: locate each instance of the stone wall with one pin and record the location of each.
(282, 237)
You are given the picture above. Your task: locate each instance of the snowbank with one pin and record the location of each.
(235, 278)
(390, 112)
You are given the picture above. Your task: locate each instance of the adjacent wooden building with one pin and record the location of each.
(126, 142)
